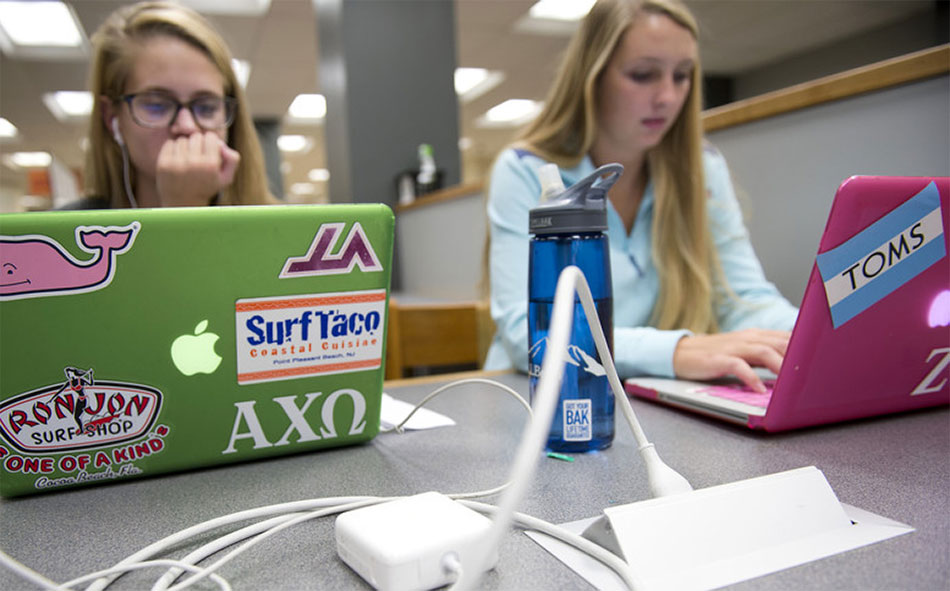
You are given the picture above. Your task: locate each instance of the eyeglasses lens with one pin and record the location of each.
(157, 110)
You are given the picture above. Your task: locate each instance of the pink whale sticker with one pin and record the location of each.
(35, 266)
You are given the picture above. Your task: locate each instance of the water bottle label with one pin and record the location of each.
(577, 420)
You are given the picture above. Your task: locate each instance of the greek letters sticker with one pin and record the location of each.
(35, 266)
(882, 257)
(282, 338)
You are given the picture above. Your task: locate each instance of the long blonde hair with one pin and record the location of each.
(116, 45)
(566, 128)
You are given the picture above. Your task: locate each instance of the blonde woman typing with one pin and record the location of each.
(690, 298)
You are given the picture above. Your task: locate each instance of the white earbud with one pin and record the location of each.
(116, 134)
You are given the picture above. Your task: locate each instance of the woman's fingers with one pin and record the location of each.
(706, 357)
(191, 170)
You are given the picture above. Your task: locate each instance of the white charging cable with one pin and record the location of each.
(608, 558)
(45, 583)
(210, 570)
(288, 514)
(455, 384)
(265, 529)
(201, 528)
(219, 544)
(663, 479)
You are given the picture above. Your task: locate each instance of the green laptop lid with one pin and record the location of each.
(138, 342)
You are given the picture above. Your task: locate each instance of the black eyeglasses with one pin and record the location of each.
(156, 110)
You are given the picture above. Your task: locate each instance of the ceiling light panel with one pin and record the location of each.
(303, 189)
(28, 159)
(511, 112)
(553, 17)
(69, 105)
(294, 143)
(230, 7)
(7, 129)
(308, 107)
(319, 175)
(40, 30)
(242, 71)
(471, 83)
(561, 10)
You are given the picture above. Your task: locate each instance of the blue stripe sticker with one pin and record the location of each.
(885, 255)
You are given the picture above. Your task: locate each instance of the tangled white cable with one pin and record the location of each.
(279, 517)
(663, 479)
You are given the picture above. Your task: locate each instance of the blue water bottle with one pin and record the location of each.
(569, 230)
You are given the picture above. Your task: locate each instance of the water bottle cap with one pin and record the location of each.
(581, 208)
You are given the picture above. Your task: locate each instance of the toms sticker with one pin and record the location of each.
(282, 338)
(35, 266)
(882, 257)
(79, 413)
(356, 250)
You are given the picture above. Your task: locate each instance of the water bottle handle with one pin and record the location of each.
(596, 184)
(606, 176)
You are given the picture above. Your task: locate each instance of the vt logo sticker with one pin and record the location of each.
(356, 250)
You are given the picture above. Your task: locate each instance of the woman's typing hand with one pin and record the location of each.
(709, 356)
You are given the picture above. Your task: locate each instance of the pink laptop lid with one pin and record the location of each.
(873, 334)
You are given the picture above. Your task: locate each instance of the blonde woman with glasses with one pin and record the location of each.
(170, 126)
(690, 298)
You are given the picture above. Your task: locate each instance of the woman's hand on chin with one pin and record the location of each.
(192, 170)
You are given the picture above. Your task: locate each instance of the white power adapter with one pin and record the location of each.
(411, 543)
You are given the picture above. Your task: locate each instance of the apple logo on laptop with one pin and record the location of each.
(939, 314)
(195, 353)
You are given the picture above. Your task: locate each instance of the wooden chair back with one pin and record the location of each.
(438, 336)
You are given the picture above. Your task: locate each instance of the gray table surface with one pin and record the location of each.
(897, 467)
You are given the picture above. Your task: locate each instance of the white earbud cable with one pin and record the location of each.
(125, 177)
